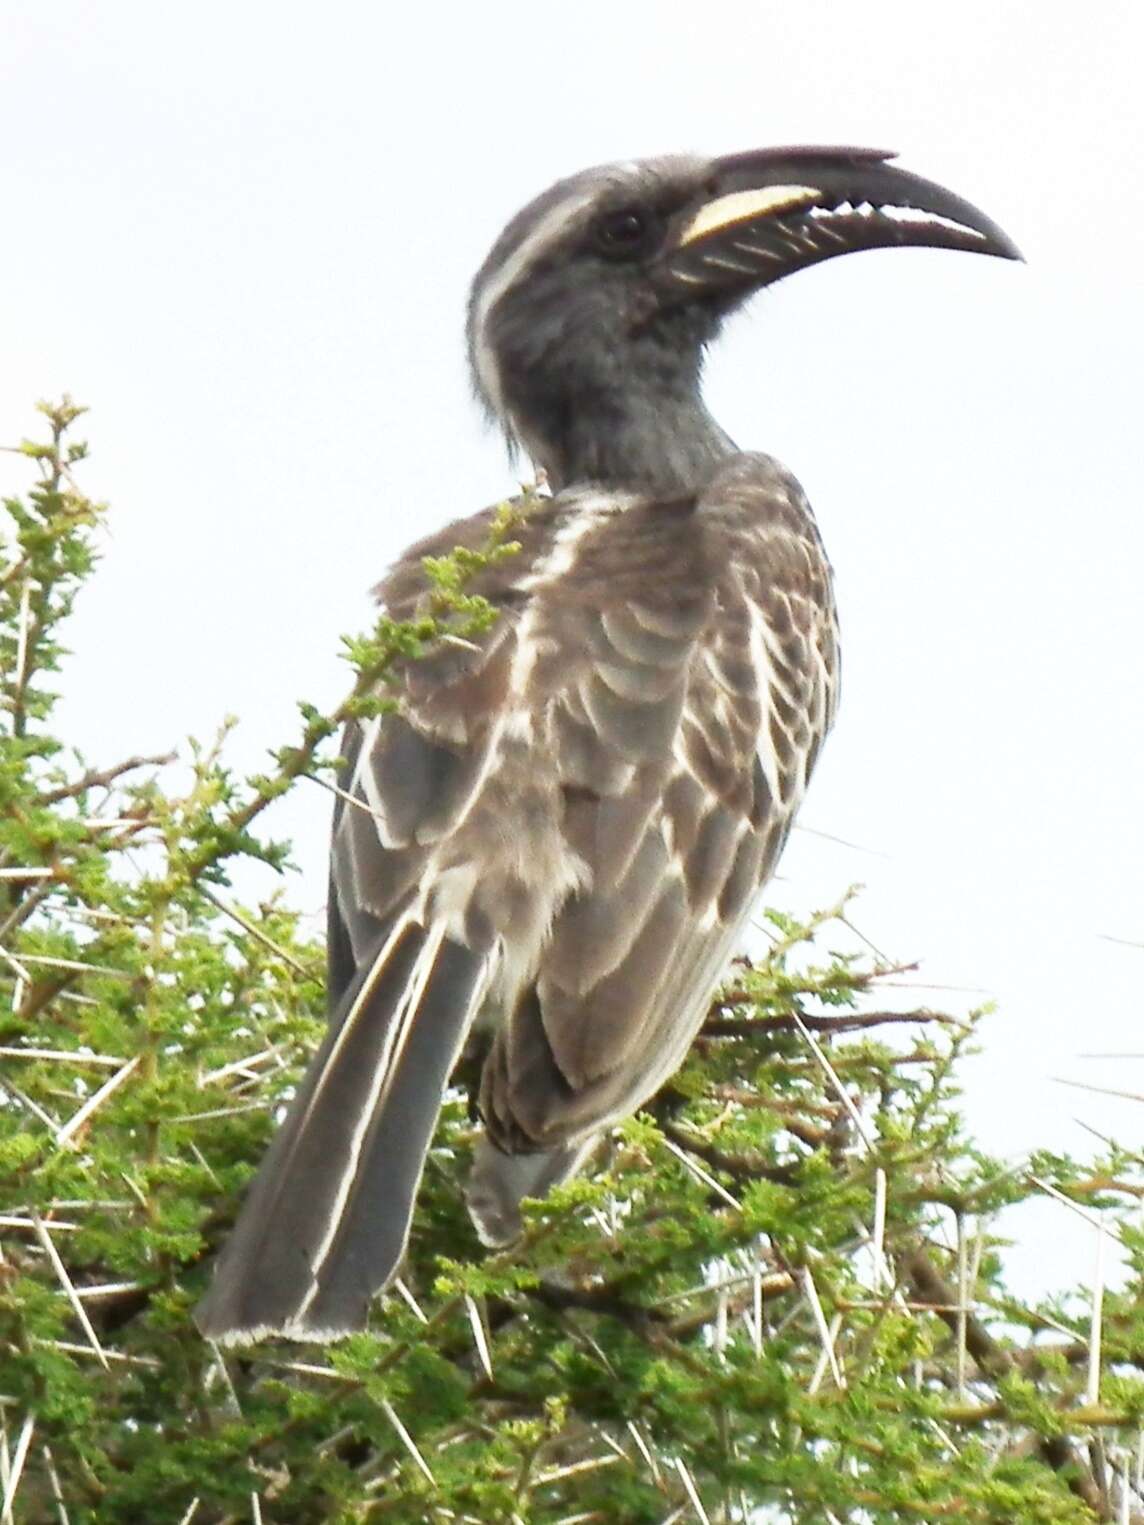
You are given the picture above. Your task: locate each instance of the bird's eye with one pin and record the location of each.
(622, 234)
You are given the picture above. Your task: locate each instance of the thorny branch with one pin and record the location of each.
(103, 778)
(679, 1338)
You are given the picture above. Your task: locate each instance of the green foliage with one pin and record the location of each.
(722, 1318)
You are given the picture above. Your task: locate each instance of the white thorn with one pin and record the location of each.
(1092, 1393)
(407, 1441)
(77, 1120)
(882, 1276)
(757, 1302)
(642, 1448)
(824, 1333)
(962, 1308)
(16, 1467)
(702, 1175)
(404, 1293)
(69, 1290)
(479, 1339)
(692, 1491)
(840, 1089)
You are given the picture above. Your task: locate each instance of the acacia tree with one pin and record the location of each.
(780, 1295)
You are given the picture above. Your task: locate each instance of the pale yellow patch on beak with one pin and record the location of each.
(741, 206)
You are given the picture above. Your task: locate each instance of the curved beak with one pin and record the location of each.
(769, 213)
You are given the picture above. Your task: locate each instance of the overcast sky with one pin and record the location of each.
(242, 234)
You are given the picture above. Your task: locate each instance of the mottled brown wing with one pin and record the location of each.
(325, 1222)
(683, 680)
(410, 776)
(591, 797)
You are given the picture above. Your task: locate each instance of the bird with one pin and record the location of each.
(550, 849)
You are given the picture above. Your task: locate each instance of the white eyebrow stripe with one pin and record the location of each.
(527, 252)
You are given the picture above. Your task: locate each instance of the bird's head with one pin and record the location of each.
(588, 319)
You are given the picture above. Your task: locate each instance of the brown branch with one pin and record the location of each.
(1057, 1451)
(1099, 1183)
(855, 980)
(774, 1284)
(595, 1300)
(794, 1116)
(25, 906)
(799, 1110)
(932, 1288)
(730, 1027)
(102, 778)
(15, 570)
(741, 1167)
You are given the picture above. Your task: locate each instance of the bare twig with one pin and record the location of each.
(102, 778)
(1081, 1085)
(24, 908)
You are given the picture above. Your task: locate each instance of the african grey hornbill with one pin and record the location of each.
(558, 838)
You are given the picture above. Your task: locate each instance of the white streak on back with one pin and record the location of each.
(583, 516)
(364, 782)
(764, 678)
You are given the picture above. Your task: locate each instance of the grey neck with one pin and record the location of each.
(636, 441)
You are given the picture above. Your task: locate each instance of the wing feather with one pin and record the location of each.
(594, 795)
(697, 728)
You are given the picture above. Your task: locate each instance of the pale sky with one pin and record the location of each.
(243, 234)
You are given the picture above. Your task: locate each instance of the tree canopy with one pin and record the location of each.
(779, 1295)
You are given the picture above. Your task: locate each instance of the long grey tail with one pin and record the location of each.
(325, 1223)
